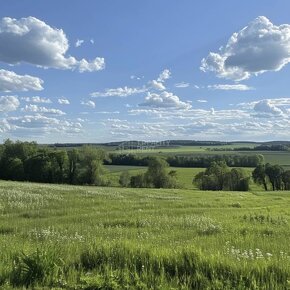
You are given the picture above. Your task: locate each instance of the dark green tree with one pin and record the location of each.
(13, 156)
(73, 159)
(157, 174)
(286, 179)
(237, 180)
(219, 170)
(92, 163)
(206, 181)
(138, 181)
(39, 168)
(259, 176)
(14, 169)
(218, 176)
(274, 173)
(59, 161)
(124, 179)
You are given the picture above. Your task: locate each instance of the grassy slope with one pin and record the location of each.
(234, 234)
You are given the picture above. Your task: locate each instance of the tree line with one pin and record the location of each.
(26, 161)
(203, 161)
(272, 176)
(263, 147)
(218, 176)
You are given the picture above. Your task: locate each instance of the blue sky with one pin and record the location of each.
(99, 71)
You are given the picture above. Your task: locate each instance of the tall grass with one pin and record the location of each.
(73, 237)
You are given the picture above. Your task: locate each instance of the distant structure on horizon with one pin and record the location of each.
(142, 145)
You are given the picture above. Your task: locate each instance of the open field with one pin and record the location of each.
(182, 149)
(184, 175)
(73, 237)
(281, 158)
(274, 157)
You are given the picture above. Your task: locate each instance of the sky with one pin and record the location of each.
(102, 70)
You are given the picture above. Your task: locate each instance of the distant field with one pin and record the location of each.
(184, 175)
(74, 237)
(183, 149)
(114, 172)
(274, 157)
(120, 168)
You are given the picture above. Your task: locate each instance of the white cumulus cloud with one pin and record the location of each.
(12, 82)
(164, 75)
(9, 103)
(182, 85)
(226, 87)
(79, 42)
(164, 100)
(39, 125)
(119, 92)
(259, 47)
(37, 109)
(157, 85)
(5, 126)
(63, 101)
(89, 104)
(32, 41)
(36, 99)
(265, 107)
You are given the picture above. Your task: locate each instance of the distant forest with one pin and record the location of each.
(260, 146)
(27, 161)
(201, 161)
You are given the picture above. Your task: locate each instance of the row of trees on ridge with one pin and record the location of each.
(27, 161)
(198, 161)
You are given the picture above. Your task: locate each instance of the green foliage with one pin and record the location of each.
(259, 176)
(73, 159)
(200, 160)
(138, 181)
(273, 174)
(12, 159)
(91, 159)
(38, 168)
(218, 176)
(61, 159)
(286, 179)
(26, 161)
(124, 179)
(40, 267)
(236, 180)
(156, 176)
(14, 169)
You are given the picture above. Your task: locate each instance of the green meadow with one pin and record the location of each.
(274, 157)
(184, 175)
(181, 148)
(86, 237)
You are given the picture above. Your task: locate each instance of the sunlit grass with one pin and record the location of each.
(76, 237)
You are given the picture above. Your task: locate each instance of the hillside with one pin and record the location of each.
(74, 237)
